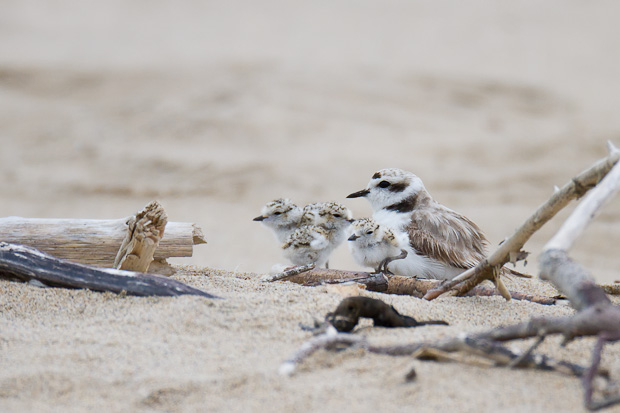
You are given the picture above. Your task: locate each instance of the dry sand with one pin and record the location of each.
(214, 108)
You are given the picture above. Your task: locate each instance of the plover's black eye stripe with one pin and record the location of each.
(398, 187)
(406, 205)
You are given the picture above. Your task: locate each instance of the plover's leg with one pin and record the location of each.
(385, 262)
(383, 269)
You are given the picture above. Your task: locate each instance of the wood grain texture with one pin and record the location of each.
(91, 241)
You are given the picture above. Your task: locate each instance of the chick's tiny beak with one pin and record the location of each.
(353, 237)
(358, 194)
(259, 218)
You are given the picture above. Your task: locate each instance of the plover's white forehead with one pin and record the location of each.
(338, 209)
(281, 205)
(329, 208)
(392, 173)
(364, 224)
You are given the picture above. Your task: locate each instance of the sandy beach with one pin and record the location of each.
(214, 108)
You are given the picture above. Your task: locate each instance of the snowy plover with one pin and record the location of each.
(441, 243)
(332, 216)
(282, 216)
(374, 245)
(309, 244)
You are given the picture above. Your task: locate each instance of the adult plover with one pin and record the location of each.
(282, 216)
(376, 246)
(441, 242)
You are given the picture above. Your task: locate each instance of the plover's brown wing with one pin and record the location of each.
(446, 236)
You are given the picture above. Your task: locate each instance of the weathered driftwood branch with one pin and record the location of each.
(91, 241)
(511, 247)
(22, 263)
(329, 340)
(288, 273)
(596, 314)
(145, 230)
(372, 281)
(393, 284)
(499, 355)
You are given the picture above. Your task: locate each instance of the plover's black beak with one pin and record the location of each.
(259, 218)
(353, 237)
(358, 194)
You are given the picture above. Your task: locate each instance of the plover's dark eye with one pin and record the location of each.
(277, 213)
(337, 216)
(369, 232)
(383, 184)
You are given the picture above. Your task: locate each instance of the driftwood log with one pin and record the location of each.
(94, 242)
(22, 263)
(595, 316)
(69, 247)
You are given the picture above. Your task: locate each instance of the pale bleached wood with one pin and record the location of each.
(93, 241)
(587, 209)
(144, 232)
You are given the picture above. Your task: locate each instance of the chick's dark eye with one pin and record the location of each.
(277, 213)
(337, 215)
(383, 184)
(368, 232)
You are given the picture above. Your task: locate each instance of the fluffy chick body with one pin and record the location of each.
(332, 216)
(309, 244)
(374, 245)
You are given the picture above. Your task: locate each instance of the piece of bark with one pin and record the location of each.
(346, 316)
(289, 272)
(144, 232)
(22, 263)
(92, 241)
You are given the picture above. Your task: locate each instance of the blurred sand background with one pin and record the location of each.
(214, 108)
